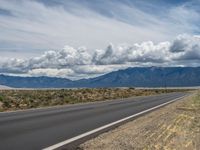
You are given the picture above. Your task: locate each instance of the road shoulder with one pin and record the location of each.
(176, 126)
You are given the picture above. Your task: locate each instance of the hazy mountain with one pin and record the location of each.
(34, 82)
(134, 77)
(149, 77)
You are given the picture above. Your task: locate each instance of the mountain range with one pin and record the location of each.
(130, 77)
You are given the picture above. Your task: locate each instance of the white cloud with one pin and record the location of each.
(186, 47)
(81, 63)
(144, 52)
(51, 72)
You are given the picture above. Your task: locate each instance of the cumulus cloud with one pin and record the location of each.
(187, 47)
(144, 52)
(75, 63)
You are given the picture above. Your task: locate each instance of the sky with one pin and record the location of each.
(86, 38)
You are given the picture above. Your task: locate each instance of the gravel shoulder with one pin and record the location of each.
(175, 126)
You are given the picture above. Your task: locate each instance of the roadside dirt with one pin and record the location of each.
(176, 126)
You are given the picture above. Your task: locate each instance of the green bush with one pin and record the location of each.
(1, 98)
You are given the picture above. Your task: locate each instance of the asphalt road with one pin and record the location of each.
(41, 128)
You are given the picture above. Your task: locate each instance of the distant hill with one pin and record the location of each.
(131, 77)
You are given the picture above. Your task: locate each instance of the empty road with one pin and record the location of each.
(41, 128)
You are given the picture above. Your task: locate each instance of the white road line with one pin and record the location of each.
(107, 126)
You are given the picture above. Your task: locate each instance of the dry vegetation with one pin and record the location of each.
(25, 99)
(176, 126)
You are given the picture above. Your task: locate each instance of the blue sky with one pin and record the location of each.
(32, 29)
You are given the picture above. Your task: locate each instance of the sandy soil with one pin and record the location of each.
(176, 126)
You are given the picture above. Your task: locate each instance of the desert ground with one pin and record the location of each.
(18, 99)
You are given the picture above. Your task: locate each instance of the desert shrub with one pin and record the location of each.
(23, 99)
(1, 98)
(6, 104)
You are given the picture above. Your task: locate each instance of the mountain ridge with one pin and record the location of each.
(130, 77)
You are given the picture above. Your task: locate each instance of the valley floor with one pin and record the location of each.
(176, 126)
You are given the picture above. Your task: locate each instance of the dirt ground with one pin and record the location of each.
(175, 126)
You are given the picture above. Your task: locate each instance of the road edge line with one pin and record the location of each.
(68, 141)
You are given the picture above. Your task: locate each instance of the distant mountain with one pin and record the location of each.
(34, 82)
(131, 77)
(148, 77)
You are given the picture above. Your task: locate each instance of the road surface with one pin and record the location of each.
(41, 128)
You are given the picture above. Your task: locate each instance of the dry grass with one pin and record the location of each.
(25, 99)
